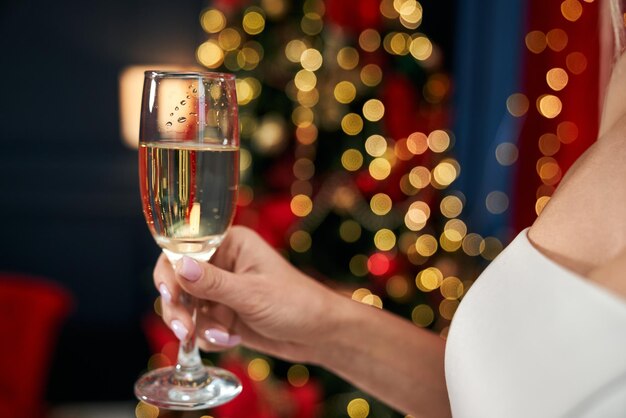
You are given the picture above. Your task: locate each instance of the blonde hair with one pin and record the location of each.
(617, 19)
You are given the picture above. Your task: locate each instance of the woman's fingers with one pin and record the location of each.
(214, 326)
(205, 281)
(176, 313)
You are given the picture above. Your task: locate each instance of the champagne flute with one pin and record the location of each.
(188, 172)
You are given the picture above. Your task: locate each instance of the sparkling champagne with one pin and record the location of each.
(189, 193)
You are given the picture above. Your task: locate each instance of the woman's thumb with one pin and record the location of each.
(206, 281)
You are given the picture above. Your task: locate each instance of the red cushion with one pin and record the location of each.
(31, 311)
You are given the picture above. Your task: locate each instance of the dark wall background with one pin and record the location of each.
(69, 200)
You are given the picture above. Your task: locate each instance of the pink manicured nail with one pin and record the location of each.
(165, 293)
(179, 330)
(189, 269)
(219, 337)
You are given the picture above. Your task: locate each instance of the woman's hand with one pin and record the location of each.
(250, 295)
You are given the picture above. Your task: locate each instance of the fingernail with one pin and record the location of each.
(179, 330)
(165, 293)
(219, 337)
(189, 269)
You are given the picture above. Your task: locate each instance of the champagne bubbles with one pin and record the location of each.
(182, 119)
(168, 124)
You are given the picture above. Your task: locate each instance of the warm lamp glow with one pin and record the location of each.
(131, 85)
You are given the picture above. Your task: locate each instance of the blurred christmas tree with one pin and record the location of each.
(345, 156)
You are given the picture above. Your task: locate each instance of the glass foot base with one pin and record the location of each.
(159, 389)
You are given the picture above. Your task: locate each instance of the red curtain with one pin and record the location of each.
(570, 42)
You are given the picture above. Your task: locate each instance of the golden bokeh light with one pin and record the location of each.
(352, 159)
(308, 98)
(444, 173)
(275, 9)
(305, 80)
(344, 92)
(229, 39)
(388, 10)
(490, 247)
(379, 168)
(312, 24)
(358, 265)
(385, 239)
(245, 195)
(567, 132)
(406, 187)
(360, 293)
(306, 135)
(245, 159)
(212, 20)
(401, 150)
(380, 204)
(373, 110)
(429, 279)
(455, 230)
(557, 78)
(253, 21)
(352, 124)
(371, 75)
(373, 300)
(517, 104)
(541, 203)
(348, 58)
(303, 169)
(298, 375)
(438, 141)
(397, 287)
(536, 41)
(576, 62)
(426, 245)
(210, 54)
(497, 202)
(419, 177)
(544, 190)
(421, 48)
(447, 308)
(417, 215)
(300, 241)
(471, 244)
(258, 369)
(417, 143)
(350, 231)
(413, 19)
(301, 205)
(302, 116)
(451, 288)
(369, 40)
(397, 43)
(557, 39)
(294, 50)
(549, 170)
(358, 408)
(571, 10)
(311, 59)
(144, 410)
(549, 144)
(451, 206)
(436, 88)
(422, 315)
(376, 145)
(549, 106)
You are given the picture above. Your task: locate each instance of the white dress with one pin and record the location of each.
(532, 339)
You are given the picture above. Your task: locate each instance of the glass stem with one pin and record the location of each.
(189, 368)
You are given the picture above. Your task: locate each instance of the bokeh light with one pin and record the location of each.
(358, 408)
(258, 369)
(422, 315)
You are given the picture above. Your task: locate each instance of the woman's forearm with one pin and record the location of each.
(389, 358)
